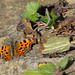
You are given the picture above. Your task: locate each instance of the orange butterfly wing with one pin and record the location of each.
(24, 46)
(4, 53)
(21, 48)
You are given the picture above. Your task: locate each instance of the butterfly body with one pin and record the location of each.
(14, 50)
(28, 30)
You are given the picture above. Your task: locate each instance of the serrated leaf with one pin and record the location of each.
(46, 67)
(63, 63)
(33, 17)
(31, 9)
(44, 18)
(25, 14)
(37, 4)
(38, 15)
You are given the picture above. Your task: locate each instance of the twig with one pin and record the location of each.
(48, 16)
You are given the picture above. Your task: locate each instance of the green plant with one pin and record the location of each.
(48, 16)
(49, 69)
(31, 14)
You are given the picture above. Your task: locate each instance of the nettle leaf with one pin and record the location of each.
(52, 19)
(46, 67)
(63, 63)
(32, 72)
(51, 23)
(43, 69)
(31, 9)
(53, 16)
(38, 15)
(33, 17)
(44, 18)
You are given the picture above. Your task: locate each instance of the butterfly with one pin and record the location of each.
(8, 52)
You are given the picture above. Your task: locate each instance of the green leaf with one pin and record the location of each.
(33, 17)
(44, 18)
(52, 18)
(25, 14)
(47, 73)
(63, 63)
(38, 15)
(51, 15)
(46, 67)
(32, 72)
(55, 16)
(51, 23)
(31, 9)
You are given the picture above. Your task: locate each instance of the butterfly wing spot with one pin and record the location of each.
(21, 51)
(23, 46)
(4, 53)
(24, 41)
(29, 42)
(7, 56)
